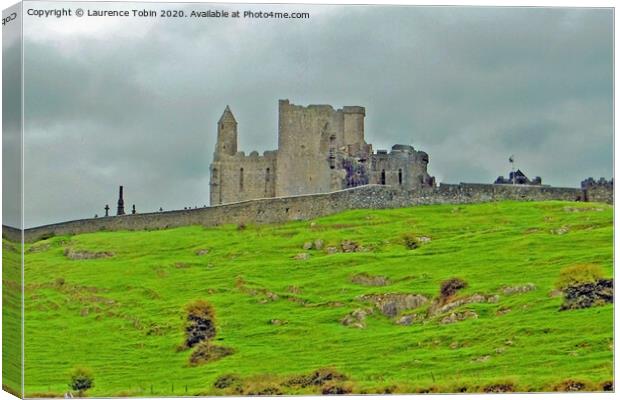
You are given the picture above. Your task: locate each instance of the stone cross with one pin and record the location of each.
(107, 208)
(133, 209)
(120, 210)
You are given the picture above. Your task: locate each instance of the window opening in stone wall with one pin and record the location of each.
(241, 179)
(383, 177)
(267, 175)
(400, 176)
(332, 151)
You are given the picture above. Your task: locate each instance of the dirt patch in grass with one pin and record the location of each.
(206, 352)
(73, 254)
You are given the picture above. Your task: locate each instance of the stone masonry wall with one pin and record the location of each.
(282, 209)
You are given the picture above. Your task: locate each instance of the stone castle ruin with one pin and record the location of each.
(320, 150)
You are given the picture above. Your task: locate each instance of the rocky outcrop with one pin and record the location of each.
(392, 304)
(588, 294)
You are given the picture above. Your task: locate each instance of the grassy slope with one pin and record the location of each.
(11, 317)
(123, 316)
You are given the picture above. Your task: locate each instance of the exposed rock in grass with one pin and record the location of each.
(314, 244)
(356, 318)
(228, 381)
(202, 252)
(392, 304)
(206, 352)
(301, 256)
(293, 289)
(482, 358)
(263, 389)
(410, 319)
(85, 254)
(316, 378)
(349, 246)
(278, 322)
(331, 250)
(200, 325)
(588, 294)
(438, 308)
(337, 388)
(458, 316)
(607, 386)
(181, 265)
(560, 231)
(518, 289)
(499, 388)
(502, 311)
(370, 280)
(569, 385)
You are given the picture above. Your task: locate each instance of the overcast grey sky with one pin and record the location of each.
(135, 101)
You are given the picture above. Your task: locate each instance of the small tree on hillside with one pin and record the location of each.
(81, 380)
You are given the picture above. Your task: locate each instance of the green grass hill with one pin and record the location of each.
(116, 303)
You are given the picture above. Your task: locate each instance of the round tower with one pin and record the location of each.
(226, 135)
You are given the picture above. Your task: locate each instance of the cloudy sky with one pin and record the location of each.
(112, 101)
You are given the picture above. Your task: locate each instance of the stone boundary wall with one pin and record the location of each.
(282, 209)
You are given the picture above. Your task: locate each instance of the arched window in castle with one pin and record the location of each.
(383, 177)
(400, 176)
(241, 179)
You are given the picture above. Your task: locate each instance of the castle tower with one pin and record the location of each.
(226, 135)
(354, 124)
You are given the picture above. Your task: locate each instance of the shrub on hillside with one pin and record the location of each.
(579, 274)
(410, 241)
(200, 324)
(451, 286)
(81, 380)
